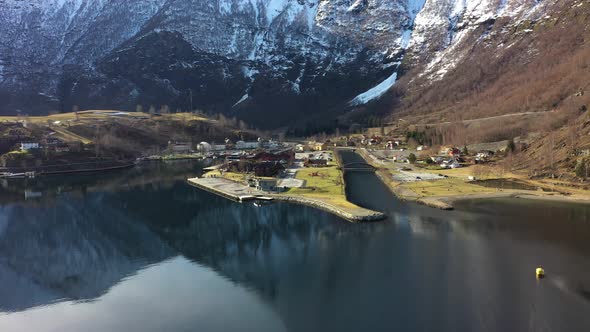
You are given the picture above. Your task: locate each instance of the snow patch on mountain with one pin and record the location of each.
(375, 92)
(443, 25)
(243, 99)
(356, 6)
(413, 8)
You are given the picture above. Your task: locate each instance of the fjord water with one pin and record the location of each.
(141, 250)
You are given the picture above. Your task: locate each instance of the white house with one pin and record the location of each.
(450, 164)
(300, 148)
(29, 146)
(437, 159)
(218, 147)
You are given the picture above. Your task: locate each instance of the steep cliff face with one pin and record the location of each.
(268, 61)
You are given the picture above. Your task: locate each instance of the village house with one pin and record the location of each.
(243, 145)
(60, 148)
(285, 157)
(317, 146)
(179, 147)
(313, 162)
(265, 184)
(29, 146)
(375, 140)
(437, 159)
(237, 166)
(218, 147)
(483, 156)
(451, 163)
(401, 159)
(354, 141)
(233, 157)
(270, 144)
(268, 168)
(364, 140)
(450, 151)
(300, 148)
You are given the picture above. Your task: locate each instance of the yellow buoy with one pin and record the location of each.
(540, 272)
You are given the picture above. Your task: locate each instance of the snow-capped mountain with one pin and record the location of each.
(290, 59)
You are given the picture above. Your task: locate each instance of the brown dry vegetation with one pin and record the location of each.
(120, 136)
(541, 71)
(543, 78)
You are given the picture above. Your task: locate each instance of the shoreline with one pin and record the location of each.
(447, 202)
(38, 173)
(239, 193)
(522, 195)
(362, 215)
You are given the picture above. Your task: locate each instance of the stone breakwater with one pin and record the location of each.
(358, 215)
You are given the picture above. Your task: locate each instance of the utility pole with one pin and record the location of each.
(158, 137)
(97, 141)
(190, 91)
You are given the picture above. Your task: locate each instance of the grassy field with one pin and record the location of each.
(63, 117)
(67, 126)
(187, 117)
(325, 184)
(101, 115)
(446, 187)
(68, 136)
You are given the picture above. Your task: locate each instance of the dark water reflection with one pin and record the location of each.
(143, 251)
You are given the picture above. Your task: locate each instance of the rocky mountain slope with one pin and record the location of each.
(521, 56)
(271, 62)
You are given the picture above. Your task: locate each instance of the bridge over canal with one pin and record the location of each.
(358, 167)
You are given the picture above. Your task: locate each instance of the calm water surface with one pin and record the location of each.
(142, 251)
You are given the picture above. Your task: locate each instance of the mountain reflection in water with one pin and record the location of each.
(139, 252)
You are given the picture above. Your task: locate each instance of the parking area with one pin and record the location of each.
(404, 176)
(291, 183)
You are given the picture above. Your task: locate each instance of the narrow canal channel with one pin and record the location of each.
(364, 188)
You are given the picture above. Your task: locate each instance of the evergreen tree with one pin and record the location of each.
(581, 169)
(511, 146)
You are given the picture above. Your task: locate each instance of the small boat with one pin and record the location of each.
(260, 203)
(540, 272)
